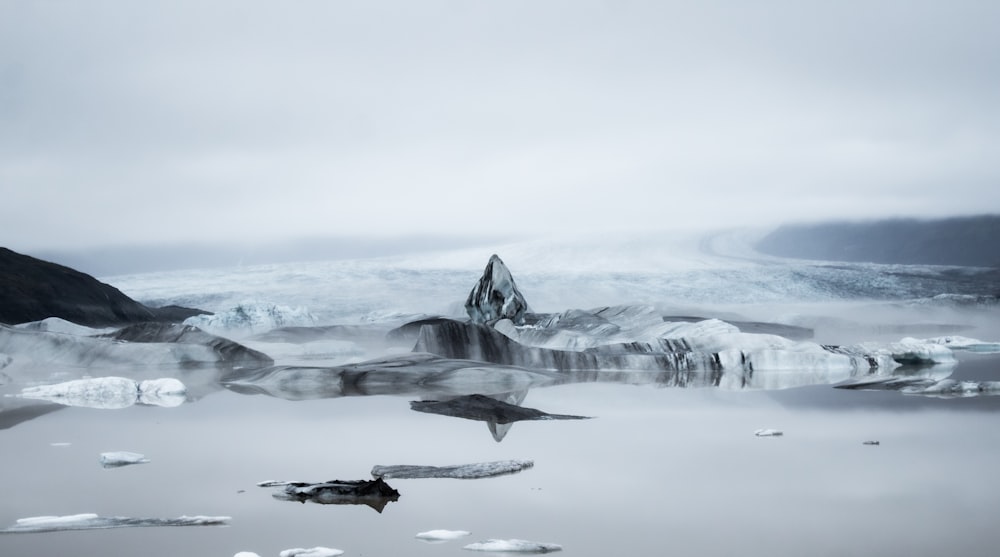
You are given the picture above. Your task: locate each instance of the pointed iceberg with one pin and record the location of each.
(496, 296)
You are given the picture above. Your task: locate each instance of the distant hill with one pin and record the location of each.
(32, 289)
(965, 241)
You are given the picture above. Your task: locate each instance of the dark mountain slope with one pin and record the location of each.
(965, 241)
(32, 289)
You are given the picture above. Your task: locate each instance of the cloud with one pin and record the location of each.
(174, 121)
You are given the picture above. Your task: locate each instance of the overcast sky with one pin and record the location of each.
(126, 122)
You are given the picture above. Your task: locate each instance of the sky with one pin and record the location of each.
(184, 122)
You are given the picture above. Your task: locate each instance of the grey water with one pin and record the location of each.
(656, 470)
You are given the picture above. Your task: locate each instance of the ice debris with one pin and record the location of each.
(768, 433)
(438, 536)
(110, 393)
(459, 471)
(514, 546)
(117, 459)
(90, 521)
(318, 551)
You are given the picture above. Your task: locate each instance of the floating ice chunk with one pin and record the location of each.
(433, 536)
(167, 392)
(60, 444)
(90, 521)
(117, 459)
(318, 551)
(252, 317)
(246, 554)
(514, 545)
(768, 433)
(963, 343)
(110, 393)
(461, 471)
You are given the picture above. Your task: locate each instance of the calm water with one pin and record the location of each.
(657, 471)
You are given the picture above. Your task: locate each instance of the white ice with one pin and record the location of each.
(56, 520)
(318, 551)
(251, 316)
(441, 535)
(966, 343)
(114, 459)
(62, 326)
(513, 546)
(110, 393)
(768, 433)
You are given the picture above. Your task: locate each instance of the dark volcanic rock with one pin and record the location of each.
(32, 290)
(496, 296)
(229, 352)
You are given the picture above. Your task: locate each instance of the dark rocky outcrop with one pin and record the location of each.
(229, 352)
(32, 290)
(495, 296)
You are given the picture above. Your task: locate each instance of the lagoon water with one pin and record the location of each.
(656, 470)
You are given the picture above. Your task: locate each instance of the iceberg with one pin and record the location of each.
(495, 296)
(253, 317)
(513, 546)
(318, 551)
(458, 471)
(117, 459)
(143, 345)
(963, 343)
(59, 325)
(110, 393)
(90, 521)
(438, 536)
(373, 493)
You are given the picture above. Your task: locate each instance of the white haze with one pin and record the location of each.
(159, 123)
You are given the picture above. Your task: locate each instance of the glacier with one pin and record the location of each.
(253, 317)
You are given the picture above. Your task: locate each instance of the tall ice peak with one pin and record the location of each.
(495, 296)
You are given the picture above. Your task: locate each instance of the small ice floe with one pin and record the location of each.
(246, 554)
(768, 433)
(110, 393)
(965, 343)
(90, 521)
(459, 471)
(514, 546)
(318, 551)
(117, 459)
(876, 443)
(441, 536)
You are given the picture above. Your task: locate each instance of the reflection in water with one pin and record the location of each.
(496, 413)
(373, 493)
